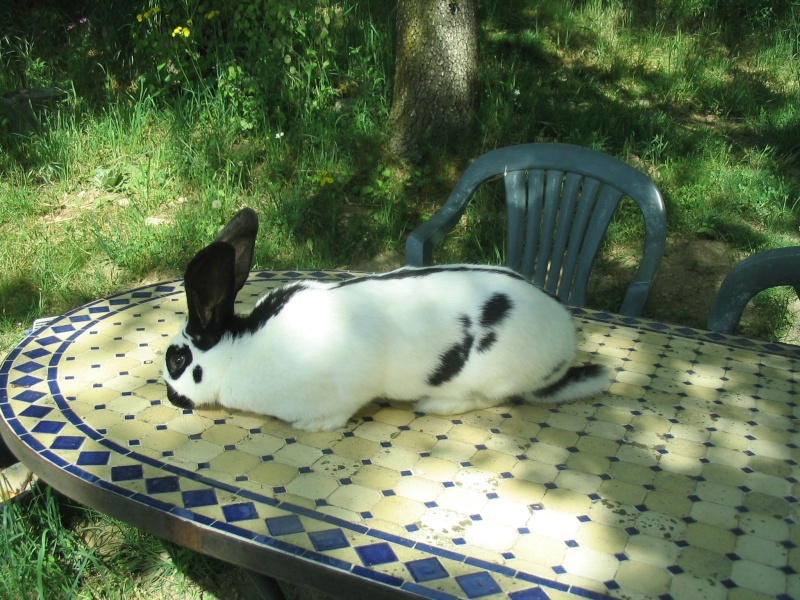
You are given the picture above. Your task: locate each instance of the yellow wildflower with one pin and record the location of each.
(147, 14)
(184, 31)
(325, 179)
(211, 14)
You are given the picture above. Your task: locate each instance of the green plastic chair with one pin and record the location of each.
(754, 274)
(560, 200)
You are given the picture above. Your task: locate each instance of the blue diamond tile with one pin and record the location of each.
(162, 485)
(197, 498)
(330, 539)
(29, 396)
(51, 427)
(284, 525)
(26, 381)
(239, 512)
(376, 554)
(36, 353)
(67, 442)
(127, 473)
(29, 367)
(426, 569)
(477, 585)
(36, 412)
(93, 458)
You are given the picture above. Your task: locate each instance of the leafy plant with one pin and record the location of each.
(266, 58)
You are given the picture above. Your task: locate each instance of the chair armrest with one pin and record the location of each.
(421, 241)
(766, 269)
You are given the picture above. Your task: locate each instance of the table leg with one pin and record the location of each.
(267, 586)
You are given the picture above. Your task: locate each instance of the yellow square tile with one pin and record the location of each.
(399, 510)
(566, 501)
(591, 564)
(355, 497)
(602, 538)
(415, 441)
(418, 488)
(435, 469)
(756, 576)
(315, 486)
(644, 578)
(377, 478)
(357, 448)
(453, 451)
(272, 473)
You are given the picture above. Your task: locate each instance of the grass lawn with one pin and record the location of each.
(172, 115)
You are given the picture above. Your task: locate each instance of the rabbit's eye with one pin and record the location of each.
(178, 358)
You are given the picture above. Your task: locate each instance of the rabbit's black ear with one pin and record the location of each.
(210, 293)
(241, 232)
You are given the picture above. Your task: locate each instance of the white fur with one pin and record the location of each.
(330, 350)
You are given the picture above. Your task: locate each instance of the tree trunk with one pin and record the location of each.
(435, 72)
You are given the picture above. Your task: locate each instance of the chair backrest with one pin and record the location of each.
(560, 200)
(754, 274)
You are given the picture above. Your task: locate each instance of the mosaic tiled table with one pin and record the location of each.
(680, 482)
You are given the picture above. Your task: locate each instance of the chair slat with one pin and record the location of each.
(607, 202)
(580, 222)
(569, 195)
(534, 220)
(552, 197)
(515, 210)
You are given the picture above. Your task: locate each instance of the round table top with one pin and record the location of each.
(681, 481)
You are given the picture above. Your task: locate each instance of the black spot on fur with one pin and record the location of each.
(177, 399)
(495, 310)
(269, 307)
(572, 375)
(197, 374)
(486, 342)
(453, 359)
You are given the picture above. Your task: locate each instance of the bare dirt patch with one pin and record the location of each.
(688, 279)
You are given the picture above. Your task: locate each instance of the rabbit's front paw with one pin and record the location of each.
(321, 424)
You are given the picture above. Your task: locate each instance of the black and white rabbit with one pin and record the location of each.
(451, 338)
